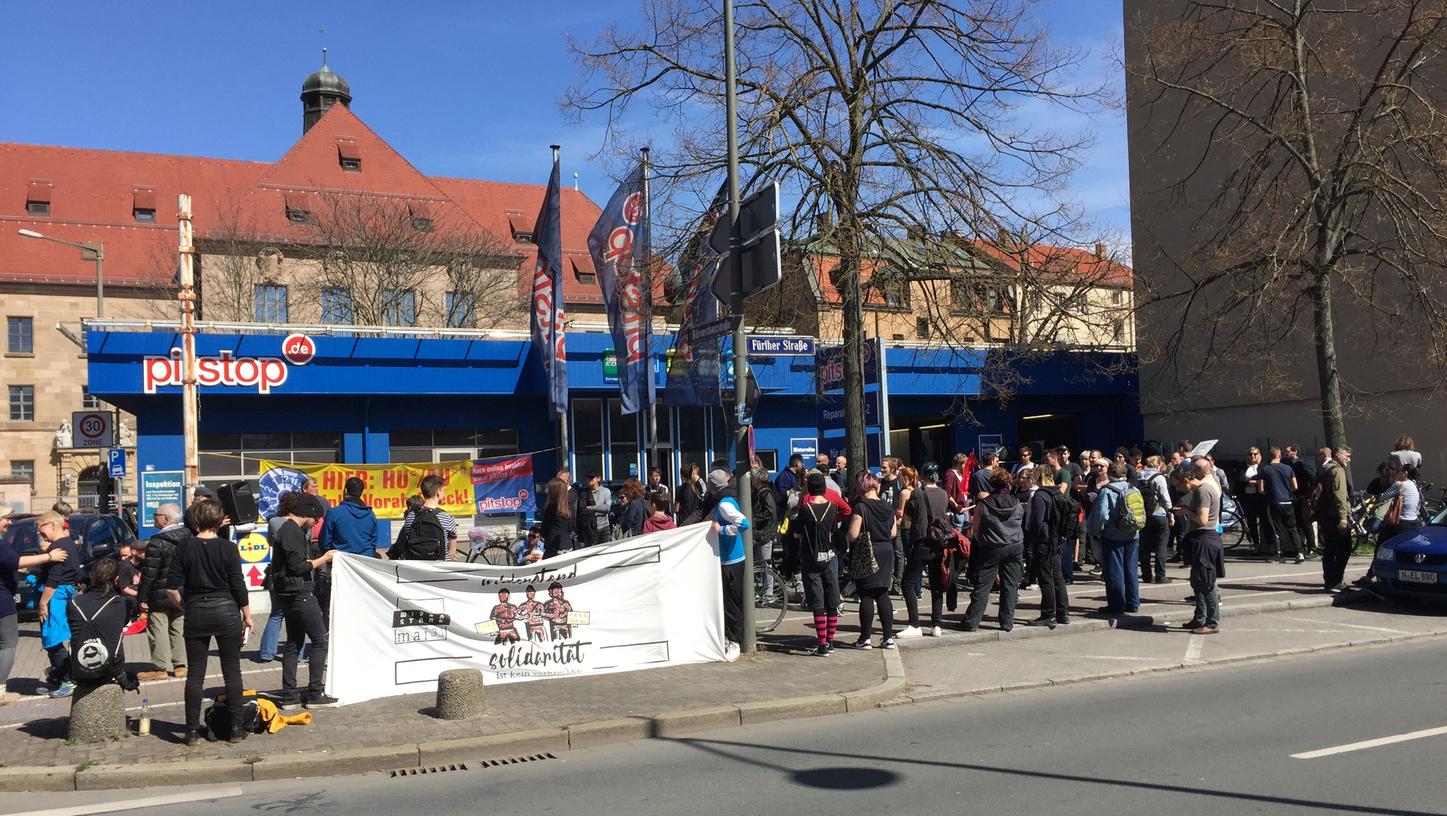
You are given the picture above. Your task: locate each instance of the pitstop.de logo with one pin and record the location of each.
(298, 349)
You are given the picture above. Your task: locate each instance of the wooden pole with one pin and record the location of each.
(187, 300)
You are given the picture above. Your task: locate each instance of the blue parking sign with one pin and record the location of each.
(116, 462)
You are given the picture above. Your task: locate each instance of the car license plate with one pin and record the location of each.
(1417, 577)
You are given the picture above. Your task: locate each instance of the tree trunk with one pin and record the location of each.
(851, 293)
(1327, 374)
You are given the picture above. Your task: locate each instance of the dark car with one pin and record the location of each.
(95, 536)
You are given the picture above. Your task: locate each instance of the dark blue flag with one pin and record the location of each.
(693, 369)
(619, 246)
(547, 320)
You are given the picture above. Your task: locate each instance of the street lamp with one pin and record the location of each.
(89, 252)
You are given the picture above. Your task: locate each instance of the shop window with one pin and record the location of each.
(22, 403)
(623, 441)
(399, 308)
(21, 335)
(23, 469)
(587, 438)
(769, 459)
(270, 303)
(337, 307)
(238, 457)
(461, 307)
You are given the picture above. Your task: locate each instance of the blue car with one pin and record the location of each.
(1414, 564)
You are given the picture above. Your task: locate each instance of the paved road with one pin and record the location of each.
(1209, 741)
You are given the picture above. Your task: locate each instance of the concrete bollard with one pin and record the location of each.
(97, 713)
(459, 694)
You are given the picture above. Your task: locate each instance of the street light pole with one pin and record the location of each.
(89, 252)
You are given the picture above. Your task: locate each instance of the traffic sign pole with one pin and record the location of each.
(741, 353)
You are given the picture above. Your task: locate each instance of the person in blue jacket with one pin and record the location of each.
(351, 527)
(729, 522)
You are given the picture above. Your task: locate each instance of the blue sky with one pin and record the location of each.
(461, 88)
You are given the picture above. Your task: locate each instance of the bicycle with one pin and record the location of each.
(493, 548)
(771, 598)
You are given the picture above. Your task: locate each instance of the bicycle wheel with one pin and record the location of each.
(770, 598)
(1234, 526)
(498, 555)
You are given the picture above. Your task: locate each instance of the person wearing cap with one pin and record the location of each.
(291, 576)
(809, 552)
(1333, 513)
(729, 522)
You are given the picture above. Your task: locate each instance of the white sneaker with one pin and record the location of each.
(731, 651)
(935, 632)
(909, 632)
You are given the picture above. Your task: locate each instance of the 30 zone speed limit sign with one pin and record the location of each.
(92, 429)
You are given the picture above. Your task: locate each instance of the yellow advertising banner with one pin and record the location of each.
(388, 486)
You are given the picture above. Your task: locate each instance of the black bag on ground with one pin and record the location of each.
(425, 539)
(219, 721)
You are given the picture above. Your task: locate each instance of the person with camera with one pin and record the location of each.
(291, 576)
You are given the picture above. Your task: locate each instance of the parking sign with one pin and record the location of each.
(93, 429)
(116, 461)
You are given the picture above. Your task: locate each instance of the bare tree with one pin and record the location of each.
(1309, 141)
(891, 117)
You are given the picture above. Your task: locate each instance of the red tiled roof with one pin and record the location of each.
(1079, 265)
(94, 193)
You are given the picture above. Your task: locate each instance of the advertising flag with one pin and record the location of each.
(693, 370)
(547, 320)
(619, 246)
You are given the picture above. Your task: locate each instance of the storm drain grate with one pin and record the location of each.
(432, 769)
(400, 773)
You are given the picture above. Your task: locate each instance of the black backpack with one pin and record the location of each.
(938, 532)
(95, 659)
(219, 720)
(425, 539)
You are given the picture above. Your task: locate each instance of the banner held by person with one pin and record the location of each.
(642, 602)
(619, 246)
(504, 486)
(387, 486)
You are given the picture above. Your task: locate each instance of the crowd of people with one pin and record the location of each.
(977, 526)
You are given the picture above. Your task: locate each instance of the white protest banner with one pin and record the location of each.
(652, 600)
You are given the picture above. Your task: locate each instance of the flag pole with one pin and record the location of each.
(647, 261)
(555, 328)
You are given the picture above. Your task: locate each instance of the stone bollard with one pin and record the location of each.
(459, 694)
(97, 713)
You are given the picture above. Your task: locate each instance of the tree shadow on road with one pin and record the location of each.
(856, 778)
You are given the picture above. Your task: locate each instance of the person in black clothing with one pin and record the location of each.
(765, 523)
(926, 503)
(1042, 532)
(1303, 509)
(690, 493)
(291, 574)
(889, 492)
(204, 579)
(809, 551)
(874, 516)
(98, 617)
(998, 549)
(635, 507)
(558, 519)
(1277, 483)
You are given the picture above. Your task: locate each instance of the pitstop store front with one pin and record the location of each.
(371, 399)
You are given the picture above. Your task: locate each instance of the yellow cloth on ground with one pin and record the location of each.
(272, 718)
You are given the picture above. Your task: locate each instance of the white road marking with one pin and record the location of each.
(1111, 657)
(147, 802)
(1371, 743)
(1193, 648)
(1352, 626)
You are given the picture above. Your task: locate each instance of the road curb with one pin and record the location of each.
(938, 696)
(295, 765)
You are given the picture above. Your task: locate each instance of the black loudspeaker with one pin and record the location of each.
(237, 501)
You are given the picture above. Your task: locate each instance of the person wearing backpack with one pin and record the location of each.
(204, 580)
(998, 549)
(1156, 494)
(927, 509)
(809, 551)
(429, 530)
(1042, 533)
(291, 575)
(1116, 519)
(98, 618)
